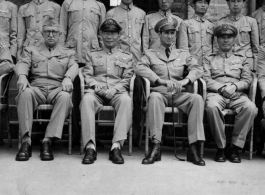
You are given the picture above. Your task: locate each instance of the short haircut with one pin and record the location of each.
(194, 1)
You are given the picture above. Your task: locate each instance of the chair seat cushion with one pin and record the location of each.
(45, 107)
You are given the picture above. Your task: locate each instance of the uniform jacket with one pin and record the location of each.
(261, 70)
(151, 39)
(110, 69)
(220, 69)
(154, 65)
(131, 20)
(80, 21)
(196, 36)
(247, 42)
(259, 15)
(30, 19)
(8, 25)
(43, 67)
(6, 63)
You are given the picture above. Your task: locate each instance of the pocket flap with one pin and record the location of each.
(28, 14)
(121, 64)
(236, 66)
(209, 31)
(95, 10)
(5, 14)
(245, 29)
(71, 43)
(98, 63)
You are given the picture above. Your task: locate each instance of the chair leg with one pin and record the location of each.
(8, 131)
(19, 139)
(251, 143)
(130, 141)
(70, 134)
(146, 136)
(81, 144)
(142, 129)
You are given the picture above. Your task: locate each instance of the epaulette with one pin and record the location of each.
(151, 12)
(97, 49)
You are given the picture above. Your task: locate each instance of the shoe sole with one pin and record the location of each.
(23, 159)
(89, 163)
(46, 159)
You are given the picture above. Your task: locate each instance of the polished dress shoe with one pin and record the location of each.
(90, 156)
(220, 155)
(46, 151)
(115, 156)
(24, 152)
(154, 154)
(192, 156)
(234, 155)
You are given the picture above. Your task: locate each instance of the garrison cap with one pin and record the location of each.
(225, 29)
(110, 25)
(51, 22)
(168, 23)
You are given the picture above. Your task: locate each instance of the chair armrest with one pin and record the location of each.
(204, 89)
(253, 87)
(147, 87)
(82, 82)
(4, 83)
(132, 85)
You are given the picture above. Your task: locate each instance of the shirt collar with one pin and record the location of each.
(235, 18)
(165, 14)
(225, 54)
(39, 1)
(110, 51)
(198, 18)
(126, 7)
(163, 48)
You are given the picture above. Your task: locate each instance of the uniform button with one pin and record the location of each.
(84, 7)
(130, 36)
(130, 45)
(129, 27)
(84, 40)
(36, 40)
(203, 53)
(107, 77)
(84, 18)
(108, 60)
(37, 21)
(38, 12)
(108, 69)
(129, 18)
(84, 29)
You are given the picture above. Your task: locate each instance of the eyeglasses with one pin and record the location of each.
(48, 32)
(110, 33)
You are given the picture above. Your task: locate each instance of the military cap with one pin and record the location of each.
(168, 23)
(225, 29)
(51, 22)
(110, 25)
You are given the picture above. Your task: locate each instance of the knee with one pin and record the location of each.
(26, 94)
(88, 100)
(64, 96)
(250, 107)
(155, 97)
(211, 106)
(126, 99)
(196, 98)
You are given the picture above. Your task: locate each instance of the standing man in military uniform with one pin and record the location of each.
(30, 20)
(228, 77)
(259, 15)
(196, 34)
(164, 67)
(247, 41)
(8, 26)
(45, 74)
(107, 76)
(151, 39)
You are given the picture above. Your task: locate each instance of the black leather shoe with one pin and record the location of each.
(90, 156)
(220, 155)
(192, 156)
(24, 152)
(233, 155)
(46, 151)
(154, 154)
(115, 156)
(200, 148)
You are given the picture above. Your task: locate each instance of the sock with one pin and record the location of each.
(90, 145)
(26, 138)
(47, 139)
(116, 145)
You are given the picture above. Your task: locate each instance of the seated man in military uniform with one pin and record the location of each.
(45, 74)
(228, 77)
(6, 64)
(164, 67)
(107, 77)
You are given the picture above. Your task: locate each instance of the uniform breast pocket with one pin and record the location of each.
(209, 36)
(49, 13)
(245, 34)
(122, 24)
(215, 70)
(139, 25)
(94, 15)
(38, 65)
(178, 67)
(5, 18)
(61, 65)
(192, 34)
(29, 19)
(236, 69)
(119, 68)
(74, 15)
(99, 68)
(159, 69)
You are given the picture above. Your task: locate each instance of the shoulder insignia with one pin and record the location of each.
(98, 56)
(120, 59)
(126, 52)
(63, 55)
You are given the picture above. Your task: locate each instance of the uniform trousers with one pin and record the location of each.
(28, 101)
(91, 104)
(245, 110)
(190, 104)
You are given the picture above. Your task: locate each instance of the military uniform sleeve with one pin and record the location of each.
(124, 83)
(143, 69)
(195, 70)
(183, 37)
(63, 22)
(254, 37)
(88, 72)
(24, 64)
(57, 10)
(142, 34)
(21, 35)
(146, 34)
(211, 84)
(261, 70)
(72, 71)
(6, 64)
(13, 31)
(245, 78)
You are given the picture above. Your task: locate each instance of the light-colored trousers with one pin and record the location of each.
(190, 104)
(246, 112)
(92, 104)
(28, 101)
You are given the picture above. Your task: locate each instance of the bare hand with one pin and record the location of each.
(229, 91)
(99, 91)
(22, 82)
(110, 93)
(67, 84)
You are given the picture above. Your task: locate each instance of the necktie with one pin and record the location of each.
(167, 52)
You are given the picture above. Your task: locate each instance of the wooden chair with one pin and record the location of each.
(231, 113)
(40, 120)
(106, 108)
(144, 118)
(4, 103)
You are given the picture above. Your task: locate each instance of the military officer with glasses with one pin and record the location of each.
(107, 76)
(45, 74)
(228, 78)
(164, 67)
